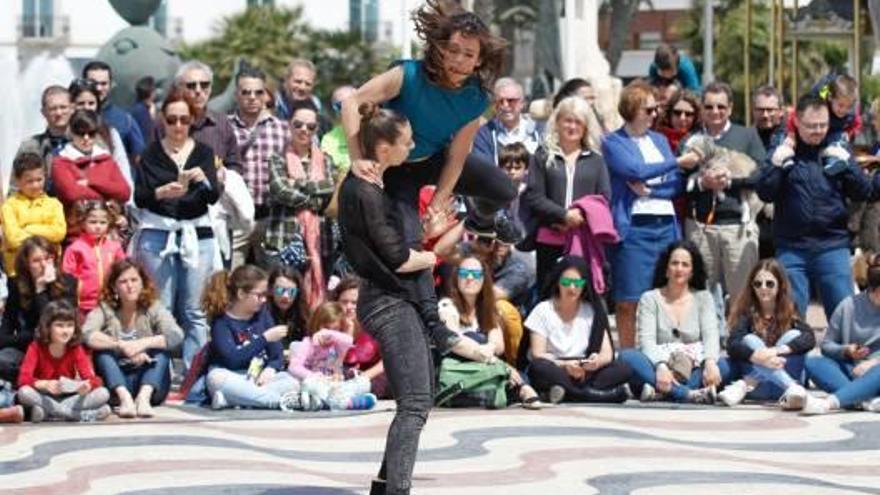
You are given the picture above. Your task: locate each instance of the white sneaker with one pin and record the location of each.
(734, 393)
(872, 405)
(648, 393)
(793, 399)
(218, 400)
(814, 406)
(290, 402)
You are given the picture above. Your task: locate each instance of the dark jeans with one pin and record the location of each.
(544, 374)
(157, 374)
(10, 361)
(396, 325)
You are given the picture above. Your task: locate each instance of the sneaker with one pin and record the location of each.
(363, 402)
(92, 415)
(218, 400)
(793, 399)
(814, 406)
(649, 393)
(310, 402)
(290, 402)
(872, 405)
(734, 393)
(556, 394)
(38, 414)
(702, 396)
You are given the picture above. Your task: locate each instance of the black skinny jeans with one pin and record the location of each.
(396, 325)
(545, 374)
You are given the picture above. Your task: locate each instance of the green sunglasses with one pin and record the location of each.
(568, 282)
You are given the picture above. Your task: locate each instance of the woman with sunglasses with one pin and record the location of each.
(681, 117)
(300, 188)
(565, 169)
(679, 346)
(571, 350)
(85, 170)
(645, 178)
(175, 184)
(768, 341)
(285, 304)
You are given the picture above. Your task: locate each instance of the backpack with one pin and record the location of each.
(472, 384)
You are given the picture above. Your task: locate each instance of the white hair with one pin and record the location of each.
(192, 65)
(504, 82)
(578, 108)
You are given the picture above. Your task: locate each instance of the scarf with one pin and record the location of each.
(310, 225)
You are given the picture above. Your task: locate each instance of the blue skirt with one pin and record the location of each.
(633, 259)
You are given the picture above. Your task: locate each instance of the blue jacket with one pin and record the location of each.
(687, 74)
(127, 128)
(811, 210)
(625, 163)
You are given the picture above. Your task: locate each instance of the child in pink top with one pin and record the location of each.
(317, 361)
(88, 258)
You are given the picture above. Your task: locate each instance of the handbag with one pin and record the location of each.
(472, 384)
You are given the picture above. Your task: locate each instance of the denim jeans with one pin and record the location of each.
(180, 286)
(239, 391)
(643, 372)
(836, 377)
(772, 382)
(157, 374)
(829, 270)
(10, 361)
(406, 354)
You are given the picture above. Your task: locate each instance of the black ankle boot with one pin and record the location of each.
(377, 487)
(614, 395)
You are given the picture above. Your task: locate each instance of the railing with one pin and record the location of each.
(43, 27)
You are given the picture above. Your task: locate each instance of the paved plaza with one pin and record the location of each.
(573, 449)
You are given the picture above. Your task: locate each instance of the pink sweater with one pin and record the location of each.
(307, 357)
(89, 259)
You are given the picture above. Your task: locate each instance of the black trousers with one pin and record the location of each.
(545, 374)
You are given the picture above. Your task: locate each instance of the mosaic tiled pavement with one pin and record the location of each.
(632, 449)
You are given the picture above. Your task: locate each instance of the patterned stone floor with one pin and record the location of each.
(632, 449)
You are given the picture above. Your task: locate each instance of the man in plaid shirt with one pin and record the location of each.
(259, 135)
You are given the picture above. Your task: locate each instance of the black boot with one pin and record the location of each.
(377, 487)
(616, 395)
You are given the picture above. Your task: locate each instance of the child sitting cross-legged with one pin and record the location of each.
(317, 360)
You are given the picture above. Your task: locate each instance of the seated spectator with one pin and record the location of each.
(286, 305)
(318, 359)
(132, 335)
(29, 211)
(57, 380)
(669, 65)
(247, 361)
(84, 170)
(679, 345)
(364, 357)
(90, 255)
(39, 282)
(300, 188)
(176, 183)
(768, 341)
(848, 367)
(550, 194)
(572, 355)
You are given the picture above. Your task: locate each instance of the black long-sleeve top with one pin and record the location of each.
(157, 169)
(547, 183)
(739, 351)
(19, 323)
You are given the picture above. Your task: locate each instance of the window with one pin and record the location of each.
(649, 40)
(257, 3)
(37, 18)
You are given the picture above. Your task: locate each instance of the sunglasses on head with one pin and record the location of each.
(769, 284)
(252, 92)
(569, 281)
(288, 291)
(475, 273)
(178, 119)
(310, 126)
(192, 85)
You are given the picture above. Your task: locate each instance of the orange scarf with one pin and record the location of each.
(310, 224)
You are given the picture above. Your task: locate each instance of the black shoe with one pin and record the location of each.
(507, 231)
(377, 487)
(616, 395)
(484, 231)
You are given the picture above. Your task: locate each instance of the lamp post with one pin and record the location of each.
(708, 43)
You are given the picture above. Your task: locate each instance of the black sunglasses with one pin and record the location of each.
(298, 124)
(192, 85)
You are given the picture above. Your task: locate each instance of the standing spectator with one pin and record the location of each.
(133, 334)
(102, 76)
(809, 183)
(514, 160)
(722, 226)
(669, 66)
(175, 241)
(644, 179)
(30, 211)
(208, 127)
(583, 89)
(259, 135)
(335, 143)
(509, 124)
(298, 86)
(767, 112)
(144, 109)
(300, 186)
(681, 118)
(56, 109)
(563, 171)
(84, 170)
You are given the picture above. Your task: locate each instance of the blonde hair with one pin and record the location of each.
(578, 108)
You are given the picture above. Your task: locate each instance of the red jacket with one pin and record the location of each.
(89, 259)
(103, 180)
(39, 364)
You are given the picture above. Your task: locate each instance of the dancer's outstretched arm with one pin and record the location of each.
(377, 90)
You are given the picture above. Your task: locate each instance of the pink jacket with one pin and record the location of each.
(89, 259)
(307, 357)
(589, 240)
